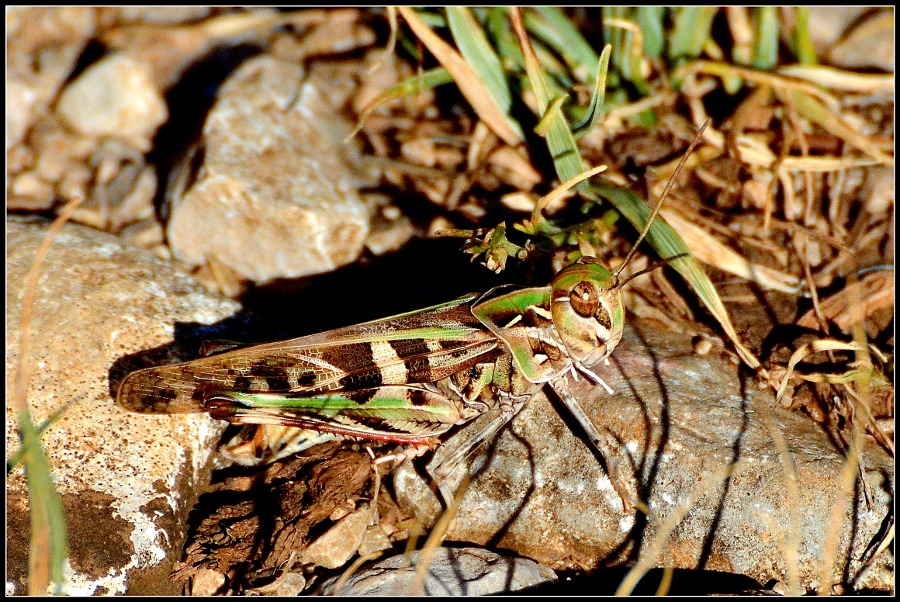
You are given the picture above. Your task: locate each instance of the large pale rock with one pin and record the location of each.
(114, 97)
(127, 481)
(273, 197)
(686, 421)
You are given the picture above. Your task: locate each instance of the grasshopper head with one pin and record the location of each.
(587, 310)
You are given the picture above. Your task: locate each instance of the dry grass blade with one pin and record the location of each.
(757, 154)
(712, 252)
(562, 189)
(466, 78)
(614, 117)
(863, 371)
(842, 80)
(48, 549)
(637, 43)
(654, 550)
(830, 574)
(354, 566)
(792, 545)
(665, 583)
(224, 27)
(426, 80)
(774, 80)
(883, 545)
(391, 45)
(875, 291)
(812, 109)
(438, 532)
(673, 249)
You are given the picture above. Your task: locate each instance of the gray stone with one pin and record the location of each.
(450, 572)
(686, 421)
(114, 97)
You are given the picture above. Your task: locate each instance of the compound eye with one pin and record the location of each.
(585, 299)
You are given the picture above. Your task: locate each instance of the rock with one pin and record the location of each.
(337, 545)
(43, 45)
(374, 540)
(340, 32)
(870, 44)
(288, 584)
(273, 198)
(684, 420)
(31, 192)
(114, 97)
(828, 23)
(388, 236)
(168, 15)
(451, 572)
(127, 481)
(141, 32)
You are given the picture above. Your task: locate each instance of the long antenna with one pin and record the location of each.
(665, 193)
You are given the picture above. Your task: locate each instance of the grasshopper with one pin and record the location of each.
(410, 378)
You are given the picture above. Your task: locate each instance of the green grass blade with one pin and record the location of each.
(650, 20)
(597, 96)
(741, 31)
(48, 550)
(433, 18)
(662, 237)
(691, 31)
(560, 141)
(546, 121)
(553, 28)
(19, 455)
(621, 30)
(664, 240)
(765, 36)
(802, 43)
(467, 80)
(474, 46)
(670, 246)
(505, 44)
(426, 80)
